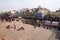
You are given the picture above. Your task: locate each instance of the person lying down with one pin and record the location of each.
(20, 29)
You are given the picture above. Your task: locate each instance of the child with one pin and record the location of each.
(14, 26)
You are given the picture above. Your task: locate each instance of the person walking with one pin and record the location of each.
(14, 26)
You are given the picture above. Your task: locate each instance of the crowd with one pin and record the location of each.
(7, 18)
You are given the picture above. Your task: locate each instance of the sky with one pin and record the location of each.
(6, 5)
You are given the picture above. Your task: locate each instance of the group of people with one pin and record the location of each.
(8, 27)
(7, 18)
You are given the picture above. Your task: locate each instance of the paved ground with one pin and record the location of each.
(56, 33)
(29, 33)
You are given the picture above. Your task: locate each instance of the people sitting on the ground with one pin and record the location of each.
(20, 29)
(8, 27)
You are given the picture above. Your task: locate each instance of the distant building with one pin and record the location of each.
(13, 12)
(55, 14)
(58, 10)
(45, 11)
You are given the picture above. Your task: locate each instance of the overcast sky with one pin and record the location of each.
(6, 5)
